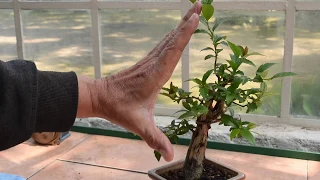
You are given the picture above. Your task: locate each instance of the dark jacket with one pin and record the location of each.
(34, 101)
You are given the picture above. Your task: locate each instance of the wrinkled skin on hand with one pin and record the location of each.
(128, 98)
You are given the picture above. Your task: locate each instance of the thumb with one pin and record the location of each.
(158, 141)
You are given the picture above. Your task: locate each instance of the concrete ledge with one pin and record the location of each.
(280, 136)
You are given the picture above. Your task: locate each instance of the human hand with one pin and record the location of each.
(128, 98)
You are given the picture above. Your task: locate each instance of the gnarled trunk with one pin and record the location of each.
(193, 166)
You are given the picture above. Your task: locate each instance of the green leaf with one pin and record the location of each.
(247, 135)
(166, 89)
(224, 43)
(283, 74)
(208, 56)
(201, 109)
(192, 1)
(264, 74)
(253, 53)
(183, 110)
(245, 79)
(234, 133)
(235, 49)
(233, 65)
(206, 1)
(206, 49)
(203, 20)
(263, 86)
(264, 67)
(207, 11)
(251, 126)
(229, 98)
(204, 91)
(157, 155)
(247, 61)
(218, 38)
(235, 84)
(173, 122)
(217, 23)
(229, 121)
(201, 31)
(207, 75)
(231, 111)
(196, 80)
(219, 50)
(186, 105)
(186, 115)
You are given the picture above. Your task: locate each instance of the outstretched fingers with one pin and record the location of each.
(171, 54)
(158, 141)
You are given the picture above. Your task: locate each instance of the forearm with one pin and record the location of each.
(86, 88)
(34, 101)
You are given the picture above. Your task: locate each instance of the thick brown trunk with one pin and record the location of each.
(193, 166)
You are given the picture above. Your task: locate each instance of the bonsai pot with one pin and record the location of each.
(156, 174)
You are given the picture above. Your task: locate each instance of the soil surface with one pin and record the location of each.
(210, 173)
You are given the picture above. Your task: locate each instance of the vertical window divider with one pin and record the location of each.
(18, 29)
(96, 38)
(185, 58)
(288, 58)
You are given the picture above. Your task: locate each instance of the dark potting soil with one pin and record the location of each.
(210, 172)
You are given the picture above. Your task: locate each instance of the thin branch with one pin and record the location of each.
(239, 104)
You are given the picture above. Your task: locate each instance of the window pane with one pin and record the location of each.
(305, 99)
(262, 32)
(59, 40)
(128, 36)
(8, 48)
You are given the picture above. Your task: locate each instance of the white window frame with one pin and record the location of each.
(289, 7)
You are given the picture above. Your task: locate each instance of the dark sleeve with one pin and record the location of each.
(34, 101)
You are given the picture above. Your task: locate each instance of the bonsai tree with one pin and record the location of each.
(213, 102)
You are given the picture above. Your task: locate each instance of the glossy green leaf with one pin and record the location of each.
(208, 56)
(192, 1)
(157, 155)
(231, 111)
(218, 38)
(201, 31)
(206, 1)
(217, 23)
(207, 11)
(207, 48)
(203, 20)
(229, 121)
(263, 86)
(196, 80)
(235, 84)
(206, 75)
(201, 109)
(283, 74)
(264, 67)
(234, 133)
(247, 61)
(186, 105)
(247, 135)
(229, 98)
(251, 126)
(235, 49)
(204, 91)
(252, 54)
(186, 115)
